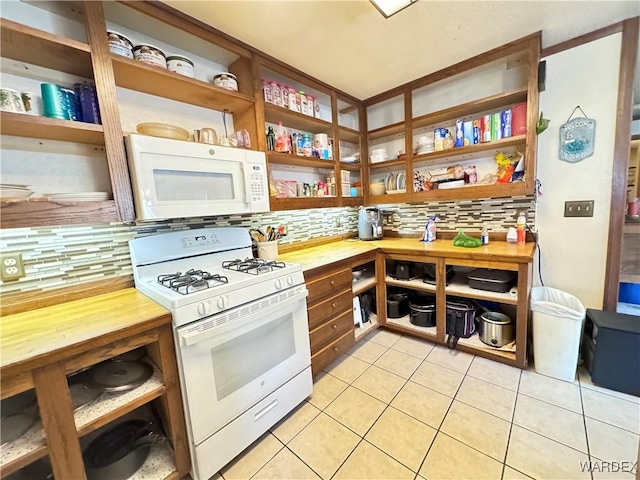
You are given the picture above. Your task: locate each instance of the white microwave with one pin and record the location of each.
(176, 179)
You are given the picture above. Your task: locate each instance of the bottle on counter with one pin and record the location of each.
(520, 224)
(485, 234)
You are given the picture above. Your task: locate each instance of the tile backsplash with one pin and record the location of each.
(57, 257)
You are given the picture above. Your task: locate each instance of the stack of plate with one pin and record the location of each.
(395, 182)
(78, 197)
(11, 190)
(425, 145)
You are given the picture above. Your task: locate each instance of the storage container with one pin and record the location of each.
(119, 44)
(180, 64)
(228, 81)
(491, 280)
(150, 55)
(519, 119)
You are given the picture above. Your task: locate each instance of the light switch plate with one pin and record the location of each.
(11, 266)
(578, 208)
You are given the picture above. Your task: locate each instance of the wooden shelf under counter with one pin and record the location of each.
(42, 213)
(78, 334)
(32, 126)
(141, 77)
(37, 47)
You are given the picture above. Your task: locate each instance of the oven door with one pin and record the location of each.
(232, 360)
(173, 179)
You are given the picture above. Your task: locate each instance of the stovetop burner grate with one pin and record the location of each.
(253, 266)
(191, 281)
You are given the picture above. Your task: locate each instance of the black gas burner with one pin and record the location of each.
(191, 281)
(254, 266)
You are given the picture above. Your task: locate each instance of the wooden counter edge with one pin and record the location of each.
(163, 317)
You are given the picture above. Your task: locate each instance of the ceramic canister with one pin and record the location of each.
(119, 44)
(180, 64)
(150, 55)
(230, 82)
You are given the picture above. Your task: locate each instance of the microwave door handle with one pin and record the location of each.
(247, 182)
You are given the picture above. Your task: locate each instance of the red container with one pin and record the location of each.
(519, 119)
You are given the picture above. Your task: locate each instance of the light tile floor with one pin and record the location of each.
(398, 407)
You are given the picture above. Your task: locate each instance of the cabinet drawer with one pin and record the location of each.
(331, 331)
(332, 351)
(330, 307)
(318, 287)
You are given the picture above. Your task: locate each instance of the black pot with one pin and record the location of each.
(423, 312)
(397, 305)
(120, 451)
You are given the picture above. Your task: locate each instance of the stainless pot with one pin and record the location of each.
(495, 329)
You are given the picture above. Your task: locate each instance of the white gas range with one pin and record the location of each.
(241, 334)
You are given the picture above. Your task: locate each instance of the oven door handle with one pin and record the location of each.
(191, 338)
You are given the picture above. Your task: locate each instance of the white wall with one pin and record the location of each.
(574, 250)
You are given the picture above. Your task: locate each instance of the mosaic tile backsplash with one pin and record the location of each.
(57, 257)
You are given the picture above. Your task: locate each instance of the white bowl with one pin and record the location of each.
(376, 188)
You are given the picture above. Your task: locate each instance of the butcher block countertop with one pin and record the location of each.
(45, 332)
(318, 256)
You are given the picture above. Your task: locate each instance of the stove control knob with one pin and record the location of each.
(203, 308)
(290, 279)
(278, 283)
(222, 302)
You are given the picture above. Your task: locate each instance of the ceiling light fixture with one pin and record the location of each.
(391, 7)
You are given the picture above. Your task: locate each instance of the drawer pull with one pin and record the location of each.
(332, 282)
(335, 326)
(335, 349)
(333, 305)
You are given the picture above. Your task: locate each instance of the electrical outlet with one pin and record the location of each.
(578, 208)
(11, 266)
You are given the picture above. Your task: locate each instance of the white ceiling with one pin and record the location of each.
(351, 46)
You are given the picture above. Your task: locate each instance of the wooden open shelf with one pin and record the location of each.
(289, 159)
(416, 284)
(34, 214)
(352, 201)
(390, 198)
(474, 345)
(32, 126)
(492, 102)
(141, 77)
(461, 289)
(388, 163)
(352, 167)
(363, 285)
(349, 135)
(368, 327)
(15, 464)
(403, 324)
(295, 120)
(30, 45)
(474, 191)
(299, 203)
(471, 149)
(389, 130)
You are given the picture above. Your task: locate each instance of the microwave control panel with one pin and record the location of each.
(258, 181)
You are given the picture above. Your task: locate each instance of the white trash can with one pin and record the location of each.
(558, 319)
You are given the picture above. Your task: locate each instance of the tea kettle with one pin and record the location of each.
(369, 223)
